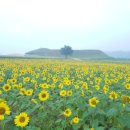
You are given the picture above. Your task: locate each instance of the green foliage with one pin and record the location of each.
(66, 50)
(108, 114)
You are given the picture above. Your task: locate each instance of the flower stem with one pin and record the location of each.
(2, 125)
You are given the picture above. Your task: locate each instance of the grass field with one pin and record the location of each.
(50, 94)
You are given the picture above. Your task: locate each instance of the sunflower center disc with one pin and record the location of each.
(2, 110)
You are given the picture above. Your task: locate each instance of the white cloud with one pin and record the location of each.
(55, 13)
(86, 23)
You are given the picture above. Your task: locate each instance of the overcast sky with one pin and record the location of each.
(82, 24)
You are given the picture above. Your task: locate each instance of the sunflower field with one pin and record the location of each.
(39, 94)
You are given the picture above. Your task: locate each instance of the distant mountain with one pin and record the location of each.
(14, 54)
(119, 54)
(81, 54)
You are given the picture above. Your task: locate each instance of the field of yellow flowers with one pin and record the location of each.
(38, 94)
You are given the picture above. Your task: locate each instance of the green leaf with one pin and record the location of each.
(85, 127)
(59, 128)
(75, 127)
(32, 128)
(124, 120)
(58, 121)
(64, 123)
(12, 127)
(127, 108)
(95, 123)
(112, 112)
(85, 114)
(99, 128)
(101, 112)
(7, 119)
(114, 129)
(33, 109)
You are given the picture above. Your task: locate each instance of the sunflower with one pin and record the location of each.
(97, 87)
(4, 110)
(2, 100)
(34, 101)
(13, 81)
(22, 91)
(76, 87)
(113, 95)
(125, 99)
(85, 85)
(22, 119)
(68, 112)
(63, 93)
(29, 92)
(106, 89)
(60, 86)
(1, 79)
(43, 95)
(67, 82)
(44, 78)
(82, 93)
(20, 85)
(127, 86)
(26, 79)
(69, 93)
(44, 85)
(6, 87)
(75, 120)
(93, 102)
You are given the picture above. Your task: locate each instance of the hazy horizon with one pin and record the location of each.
(82, 24)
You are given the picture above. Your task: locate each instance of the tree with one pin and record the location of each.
(66, 50)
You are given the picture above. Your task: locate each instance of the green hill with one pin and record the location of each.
(119, 54)
(81, 54)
